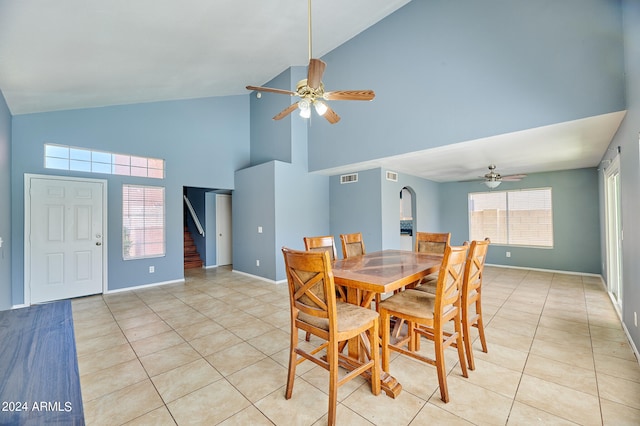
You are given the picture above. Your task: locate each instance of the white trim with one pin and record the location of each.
(614, 271)
(27, 228)
(19, 306)
(139, 287)
(631, 343)
(259, 277)
(554, 271)
(228, 230)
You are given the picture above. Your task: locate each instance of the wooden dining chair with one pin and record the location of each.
(315, 309)
(426, 315)
(352, 245)
(471, 297)
(428, 243)
(321, 243)
(432, 243)
(326, 243)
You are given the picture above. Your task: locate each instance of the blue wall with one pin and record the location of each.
(372, 206)
(5, 204)
(276, 192)
(450, 71)
(627, 139)
(203, 142)
(576, 221)
(357, 207)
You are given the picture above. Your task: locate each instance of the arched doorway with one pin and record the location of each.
(407, 218)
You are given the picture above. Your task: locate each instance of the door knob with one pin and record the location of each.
(98, 243)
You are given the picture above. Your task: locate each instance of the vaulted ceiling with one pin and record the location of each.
(68, 54)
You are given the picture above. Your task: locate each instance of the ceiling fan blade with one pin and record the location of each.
(288, 110)
(350, 95)
(513, 177)
(331, 116)
(269, 89)
(314, 73)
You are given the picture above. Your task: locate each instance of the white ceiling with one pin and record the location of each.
(68, 54)
(564, 146)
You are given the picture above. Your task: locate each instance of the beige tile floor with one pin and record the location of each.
(214, 351)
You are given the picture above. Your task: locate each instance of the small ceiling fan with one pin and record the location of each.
(311, 91)
(493, 178)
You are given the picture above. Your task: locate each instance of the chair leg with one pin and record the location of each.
(292, 362)
(416, 337)
(480, 326)
(307, 337)
(440, 367)
(385, 320)
(460, 345)
(466, 337)
(374, 341)
(332, 355)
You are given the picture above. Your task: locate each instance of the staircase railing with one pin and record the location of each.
(194, 216)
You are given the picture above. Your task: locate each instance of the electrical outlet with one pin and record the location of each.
(259, 229)
(152, 269)
(508, 254)
(257, 262)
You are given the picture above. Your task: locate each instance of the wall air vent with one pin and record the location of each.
(392, 176)
(350, 178)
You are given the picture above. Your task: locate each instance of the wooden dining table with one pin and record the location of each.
(376, 273)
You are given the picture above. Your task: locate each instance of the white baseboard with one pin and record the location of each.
(553, 271)
(259, 277)
(19, 306)
(120, 290)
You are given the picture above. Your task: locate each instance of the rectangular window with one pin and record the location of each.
(519, 218)
(63, 157)
(143, 233)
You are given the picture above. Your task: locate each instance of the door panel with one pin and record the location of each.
(65, 240)
(223, 226)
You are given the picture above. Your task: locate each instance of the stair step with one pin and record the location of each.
(191, 256)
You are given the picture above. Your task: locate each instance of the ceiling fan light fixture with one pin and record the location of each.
(305, 108)
(321, 107)
(492, 184)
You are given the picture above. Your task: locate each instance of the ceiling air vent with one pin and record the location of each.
(392, 176)
(351, 178)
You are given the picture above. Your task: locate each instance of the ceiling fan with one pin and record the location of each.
(311, 91)
(493, 178)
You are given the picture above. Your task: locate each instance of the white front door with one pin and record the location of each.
(64, 238)
(223, 226)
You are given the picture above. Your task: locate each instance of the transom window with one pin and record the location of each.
(63, 157)
(143, 224)
(519, 218)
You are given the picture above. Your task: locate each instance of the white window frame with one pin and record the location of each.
(150, 218)
(64, 157)
(510, 220)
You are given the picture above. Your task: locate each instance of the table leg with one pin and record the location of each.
(388, 383)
